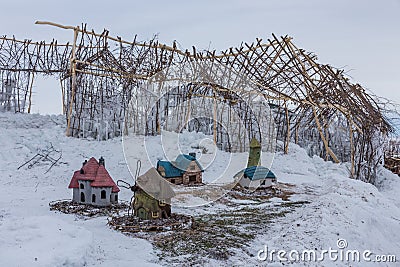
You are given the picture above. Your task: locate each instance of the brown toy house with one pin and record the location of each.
(184, 170)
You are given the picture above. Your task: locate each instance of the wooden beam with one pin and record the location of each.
(327, 148)
(158, 45)
(30, 93)
(73, 82)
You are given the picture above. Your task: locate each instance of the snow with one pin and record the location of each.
(368, 217)
(31, 234)
(26, 232)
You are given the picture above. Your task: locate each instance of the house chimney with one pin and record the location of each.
(82, 171)
(83, 163)
(193, 154)
(102, 162)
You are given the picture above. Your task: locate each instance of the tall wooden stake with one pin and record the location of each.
(73, 83)
(288, 129)
(351, 146)
(215, 120)
(30, 93)
(63, 98)
(328, 149)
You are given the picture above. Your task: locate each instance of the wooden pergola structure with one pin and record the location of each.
(313, 104)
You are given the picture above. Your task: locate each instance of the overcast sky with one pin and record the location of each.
(361, 36)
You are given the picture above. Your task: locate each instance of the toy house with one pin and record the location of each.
(152, 196)
(92, 184)
(184, 170)
(255, 177)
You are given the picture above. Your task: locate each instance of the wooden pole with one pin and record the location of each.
(30, 93)
(188, 111)
(157, 45)
(73, 82)
(215, 119)
(351, 146)
(313, 105)
(328, 149)
(63, 97)
(288, 129)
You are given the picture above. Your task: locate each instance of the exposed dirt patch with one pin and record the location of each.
(86, 210)
(221, 230)
(132, 224)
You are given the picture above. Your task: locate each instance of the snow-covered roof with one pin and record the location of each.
(170, 170)
(256, 173)
(178, 167)
(182, 161)
(92, 171)
(155, 185)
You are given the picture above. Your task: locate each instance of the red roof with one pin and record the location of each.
(96, 173)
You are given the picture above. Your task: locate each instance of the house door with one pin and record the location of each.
(142, 214)
(82, 197)
(192, 178)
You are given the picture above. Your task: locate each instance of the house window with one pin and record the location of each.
(263, 182)
(82, 197)
(93, 198)
(172, 181)
(161, 202)
(82, 186)
(193, 167)
(103, 194)
(192, 178)
(116, 197)
(154, 214)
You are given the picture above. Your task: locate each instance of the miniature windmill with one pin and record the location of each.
(152, 195)
(126, 185)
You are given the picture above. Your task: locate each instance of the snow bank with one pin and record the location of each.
(368, 217)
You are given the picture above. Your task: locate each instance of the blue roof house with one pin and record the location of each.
(255, 177)
(184, 170)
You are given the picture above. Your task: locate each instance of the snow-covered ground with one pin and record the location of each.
(367, 217)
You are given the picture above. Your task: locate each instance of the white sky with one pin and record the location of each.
(361, 36)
